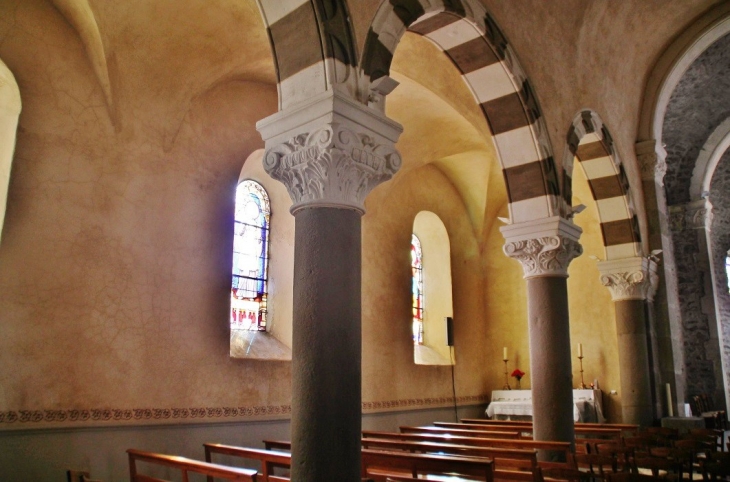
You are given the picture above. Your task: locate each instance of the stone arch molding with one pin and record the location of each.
(313, 47)
(10, 107)
(590, 142)
(708, 159)
(469, 36)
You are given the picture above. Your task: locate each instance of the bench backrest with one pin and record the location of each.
(480, 468)
(512, 434)
(515, 464)
(269, 459)
(485, 421)
(185, 466)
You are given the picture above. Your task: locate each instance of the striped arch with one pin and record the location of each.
(313, 47)
(468, 35)
(591, 144)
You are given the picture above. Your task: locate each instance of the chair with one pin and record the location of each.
(717, 466)
(621, 454)
(596, 465)
(704, 406)
(711, 434)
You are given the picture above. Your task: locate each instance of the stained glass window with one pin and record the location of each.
(417, 289)
(727, 270)
(250, 257)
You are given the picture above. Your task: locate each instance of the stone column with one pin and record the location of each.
(630, 283)
(330, 153)
(545, 248)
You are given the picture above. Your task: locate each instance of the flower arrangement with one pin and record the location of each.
(518, 374)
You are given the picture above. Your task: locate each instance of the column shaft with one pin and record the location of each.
(633, 362)
(550, 363)
(326, 385)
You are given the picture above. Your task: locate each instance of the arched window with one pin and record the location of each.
(250, 257)
(727, 269)
(417, 289)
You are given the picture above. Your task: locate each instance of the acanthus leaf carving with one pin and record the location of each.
(332, 166)
(544, 256)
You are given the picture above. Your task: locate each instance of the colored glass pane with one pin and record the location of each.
(417, 289)
(250, 257)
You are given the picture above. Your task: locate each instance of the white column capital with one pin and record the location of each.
(545, 247)
(633, 278)
(331, 151)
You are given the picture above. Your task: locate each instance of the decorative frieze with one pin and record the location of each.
(633, 278)
(544, 247)
(330, 152)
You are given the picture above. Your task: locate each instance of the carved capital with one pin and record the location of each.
(331, 152)
(331, 166)
(630, 278)
(544, 247)
(692, 215)
(652, 164)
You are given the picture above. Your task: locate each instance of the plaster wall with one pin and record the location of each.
(386, 302)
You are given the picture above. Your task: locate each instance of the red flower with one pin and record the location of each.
(518, 374)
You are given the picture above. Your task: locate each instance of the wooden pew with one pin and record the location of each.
(486, 421)
(466, 432)
(509, 464)
(185, 466)
(563, 449)
(377, 465)
(584, 434)
(270, 459)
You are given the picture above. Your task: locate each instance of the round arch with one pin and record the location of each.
(590, 142)
(673, 63)
(313, 47)
(469, 36)
(10, 107)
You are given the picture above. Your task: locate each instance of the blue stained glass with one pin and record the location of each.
(250, 257)
(417, 289)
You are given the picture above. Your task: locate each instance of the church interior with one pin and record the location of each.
(448, 191)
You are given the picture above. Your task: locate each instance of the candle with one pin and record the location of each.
(670, 408)
(580, 349)
(504, 353)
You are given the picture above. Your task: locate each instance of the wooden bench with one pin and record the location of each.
(185, 466)
(270, 459)
(378, 465)
(485, 421)
(509, 464)
(464, 432)
(580, 429)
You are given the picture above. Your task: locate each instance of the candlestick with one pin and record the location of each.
(582, 385)
(506, 379)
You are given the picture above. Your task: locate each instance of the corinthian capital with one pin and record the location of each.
(544, 247)
(630, 278)
(330, 152)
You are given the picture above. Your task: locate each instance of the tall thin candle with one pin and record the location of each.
(580, 349)
(504, 353)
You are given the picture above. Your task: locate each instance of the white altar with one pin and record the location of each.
(587, 405)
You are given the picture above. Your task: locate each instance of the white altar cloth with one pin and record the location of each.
(587, 404)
